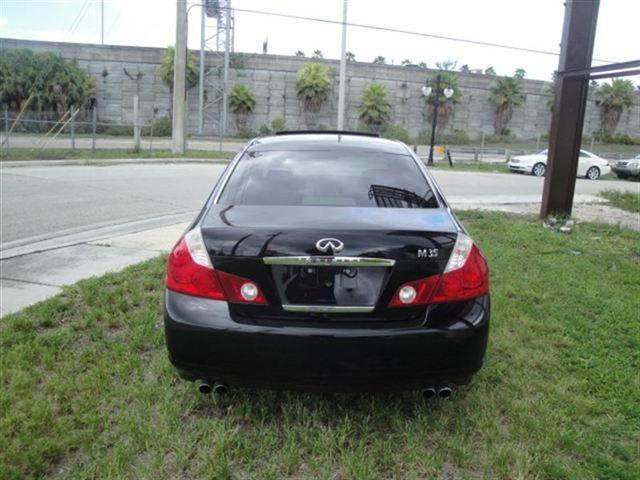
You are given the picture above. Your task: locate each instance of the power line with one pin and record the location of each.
(78, 19)
(405, 32)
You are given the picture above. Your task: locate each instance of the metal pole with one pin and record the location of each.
(343, 68)
(136, 123)
(73, 132)
(6, 127)
(201, 79)
(179, 80)
(225, 90)
(576, 52)
(102, 22)
(435, 121)
(94, 121)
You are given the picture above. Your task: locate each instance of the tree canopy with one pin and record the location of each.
(56, 83)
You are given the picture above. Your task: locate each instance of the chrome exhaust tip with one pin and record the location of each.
(205, 388)
(444, 392)
(220, 388)
(429, 392)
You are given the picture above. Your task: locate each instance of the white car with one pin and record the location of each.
(590, 165)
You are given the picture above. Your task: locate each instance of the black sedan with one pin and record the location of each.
(327, 261)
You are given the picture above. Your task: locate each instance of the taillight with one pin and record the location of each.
(240, 289)
(189, 271)
(415, 293)
(466, 276)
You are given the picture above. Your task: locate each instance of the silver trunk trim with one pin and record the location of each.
(329, 308)
(326, 261)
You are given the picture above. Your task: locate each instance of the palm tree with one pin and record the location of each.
(447, 65)
(299, 53)
(465, 69)
(614, 98)
(422, 65)
(241, 102)
(312, 87)
(380, 60)
(520, 73)
(490, 71)
(506, 94)
(350, 56)
(374, 109)
(317, 54)
(166, 71)
(407, 62)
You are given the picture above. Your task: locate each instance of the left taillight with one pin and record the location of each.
(466, 276)
(189, 271)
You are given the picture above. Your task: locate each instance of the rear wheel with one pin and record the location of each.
(539, 169)
(622, 175)
(593, 173)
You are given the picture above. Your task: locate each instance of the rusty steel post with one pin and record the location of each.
(576, 52)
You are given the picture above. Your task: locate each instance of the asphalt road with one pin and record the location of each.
(43, 202)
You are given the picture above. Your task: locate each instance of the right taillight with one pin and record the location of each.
(189, 271)
(466, 275)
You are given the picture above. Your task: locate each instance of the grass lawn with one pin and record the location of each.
(629, 201)
(88, 392)
(14, 154)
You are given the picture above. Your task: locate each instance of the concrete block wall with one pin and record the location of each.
(272, 79)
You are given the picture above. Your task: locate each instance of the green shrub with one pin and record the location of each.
(119, 130)
(457, 137)
(278, 124)
(161, 128)
(507, 138)
(618, 138)
(397, 132)
(245, 132)
(264, 130)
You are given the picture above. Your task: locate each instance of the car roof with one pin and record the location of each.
(327, 141)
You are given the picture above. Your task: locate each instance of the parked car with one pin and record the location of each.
(327, 261)
(627, 168)
(590, 165)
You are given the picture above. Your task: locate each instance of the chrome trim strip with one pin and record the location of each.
(325, 261)
(328, 308)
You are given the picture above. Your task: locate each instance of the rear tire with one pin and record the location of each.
(539, 169)
(593, 173)
(622, 175)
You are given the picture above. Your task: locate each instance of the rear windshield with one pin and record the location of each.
(328, 178)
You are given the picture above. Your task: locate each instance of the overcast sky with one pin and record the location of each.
(533, 24)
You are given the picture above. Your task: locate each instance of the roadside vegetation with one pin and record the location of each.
(18, 154)
(88, 391)
(629, 201)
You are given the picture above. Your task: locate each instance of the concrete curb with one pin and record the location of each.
(108, 162)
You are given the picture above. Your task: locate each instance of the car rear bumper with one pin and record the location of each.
(204, 342)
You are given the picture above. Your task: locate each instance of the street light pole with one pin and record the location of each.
(343, 68)
(434, 122)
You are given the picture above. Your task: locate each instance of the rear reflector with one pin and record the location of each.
(189, 271)
(466, 276)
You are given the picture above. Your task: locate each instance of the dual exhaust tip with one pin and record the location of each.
(442, 392)
(218, 388)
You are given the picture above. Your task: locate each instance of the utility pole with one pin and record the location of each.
(343, 68)
(179, 80)
(225, 85)
(576, 51)
(203, 15)
(102, 22)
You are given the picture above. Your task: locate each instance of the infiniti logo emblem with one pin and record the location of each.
(329, 245)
